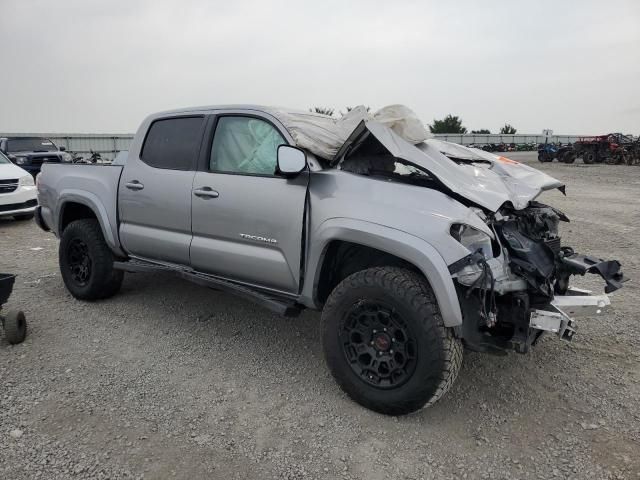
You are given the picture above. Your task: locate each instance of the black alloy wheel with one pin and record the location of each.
(385, 341)
(379, 344)
(86, 262)
(79, 261)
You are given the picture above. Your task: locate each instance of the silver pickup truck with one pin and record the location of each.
(411, 251)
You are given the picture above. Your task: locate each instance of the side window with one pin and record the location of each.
(245, 145)
(173, 143)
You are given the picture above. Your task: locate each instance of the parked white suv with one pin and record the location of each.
(17, 191)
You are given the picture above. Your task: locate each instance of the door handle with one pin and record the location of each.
(134, 185)
(206, 192)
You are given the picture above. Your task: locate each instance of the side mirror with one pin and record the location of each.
(63, 148)
(291, 160)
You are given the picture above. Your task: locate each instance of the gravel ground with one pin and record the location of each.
(171, 380)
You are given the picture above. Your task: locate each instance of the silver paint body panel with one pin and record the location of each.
(166, 222)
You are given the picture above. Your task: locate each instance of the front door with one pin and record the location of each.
(154, 195)
(247, 222)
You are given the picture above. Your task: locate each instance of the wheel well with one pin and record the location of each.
(342, 258)
(74, 211)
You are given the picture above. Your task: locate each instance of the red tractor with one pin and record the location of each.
(613, 148)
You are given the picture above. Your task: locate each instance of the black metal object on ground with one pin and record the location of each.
(14, 323)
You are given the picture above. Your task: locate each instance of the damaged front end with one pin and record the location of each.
(515, 286)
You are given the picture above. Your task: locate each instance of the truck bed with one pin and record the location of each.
(95, 186)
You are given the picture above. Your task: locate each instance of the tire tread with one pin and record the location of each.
(107, 280)
(444, 349)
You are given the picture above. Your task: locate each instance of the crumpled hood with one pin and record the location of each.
(485, 179)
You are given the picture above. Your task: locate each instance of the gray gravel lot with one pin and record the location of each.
(171, 380)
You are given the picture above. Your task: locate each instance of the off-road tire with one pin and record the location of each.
(103, 281)
(25, 216)
(439, 353)
(589, 157)
(569, 157)
(15, 327)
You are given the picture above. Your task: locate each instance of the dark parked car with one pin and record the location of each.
(31, 152)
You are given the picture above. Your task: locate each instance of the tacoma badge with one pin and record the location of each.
(258, 238)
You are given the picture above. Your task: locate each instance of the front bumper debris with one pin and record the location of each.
(559, 318)
(609, 270)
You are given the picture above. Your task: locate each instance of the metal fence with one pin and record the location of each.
(109, 144)
(518, 138)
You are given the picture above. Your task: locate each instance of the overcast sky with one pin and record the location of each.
(102, 66)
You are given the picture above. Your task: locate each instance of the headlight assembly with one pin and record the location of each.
(26, 181)
(21, 160)
(66, 157)
(473, 239)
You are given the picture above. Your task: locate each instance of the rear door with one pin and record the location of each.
(247, 221)
(155, 190)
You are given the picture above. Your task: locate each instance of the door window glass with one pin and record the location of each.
(245, 145)
(173, 143)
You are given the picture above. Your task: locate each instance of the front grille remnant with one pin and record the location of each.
(8, 185)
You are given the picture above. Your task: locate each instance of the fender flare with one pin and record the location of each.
(404, 245)
(92, 202)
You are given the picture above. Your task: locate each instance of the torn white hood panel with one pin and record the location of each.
(485, 179)
(323, 135)
(489, 181)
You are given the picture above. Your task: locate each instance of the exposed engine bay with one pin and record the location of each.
(516, 288)
(515, 285)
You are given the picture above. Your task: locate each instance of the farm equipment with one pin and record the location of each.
(526, 147)
(633, 152)
(14, 323)
(547, 152)
(613, 148)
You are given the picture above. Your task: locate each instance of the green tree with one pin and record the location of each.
(482, 131)
(323, 110)
(508, 129)
(450, 124)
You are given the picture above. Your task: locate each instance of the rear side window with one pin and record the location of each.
(173, 143)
